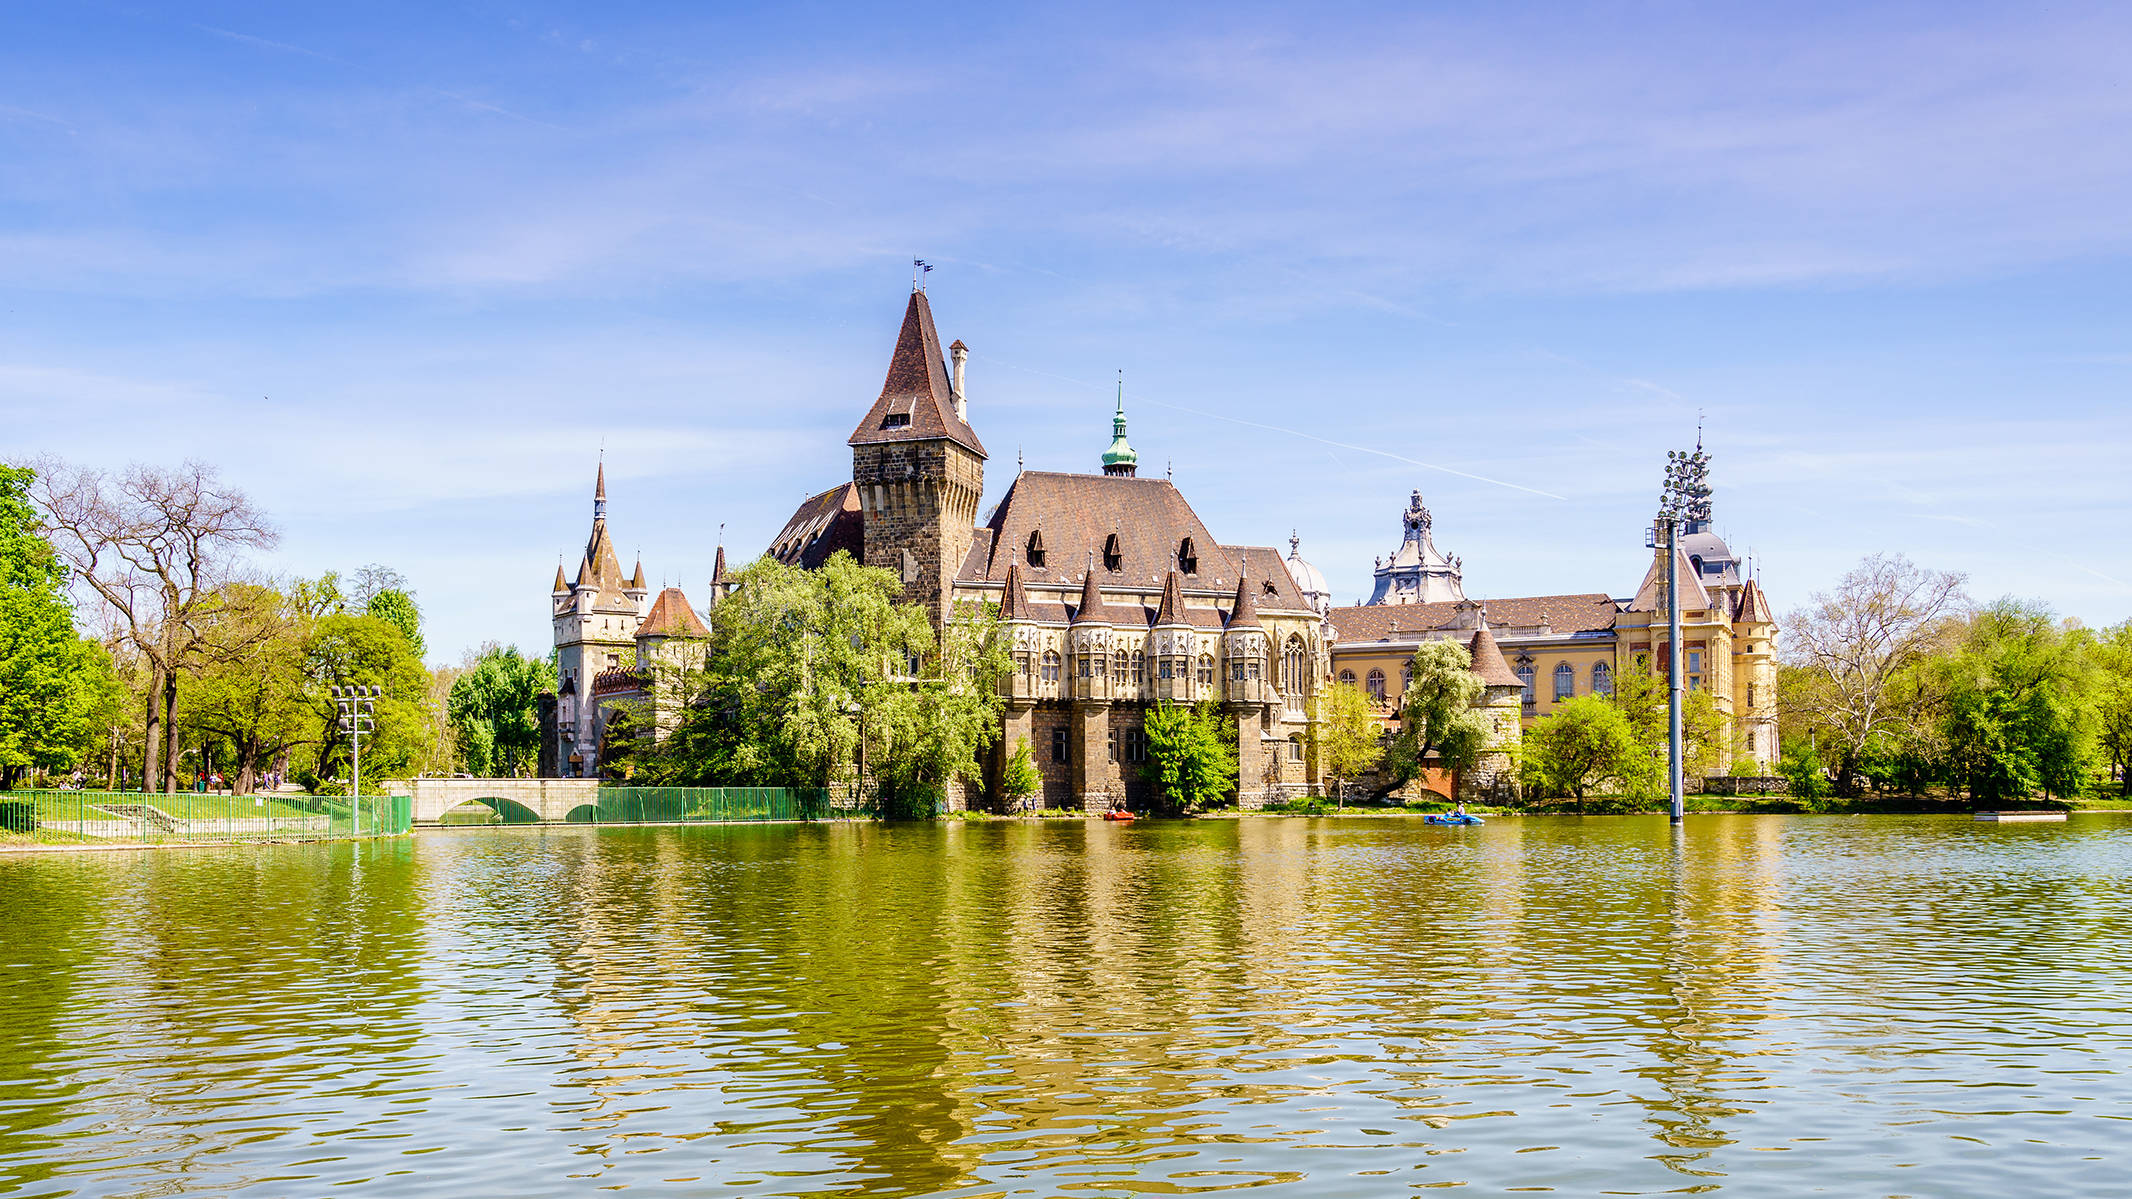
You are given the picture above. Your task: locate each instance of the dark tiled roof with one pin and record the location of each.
(671, 616)
(718, 567)
(1272, 586)
(561, 584)
(823, 525)
(1488, 661)
(915, 393)
(1577, 613)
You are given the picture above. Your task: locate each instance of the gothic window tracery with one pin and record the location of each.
(1051, 666)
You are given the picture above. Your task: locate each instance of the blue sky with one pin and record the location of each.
(400, 269)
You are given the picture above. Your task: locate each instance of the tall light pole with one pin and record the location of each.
(358, 709)
(1685, 500)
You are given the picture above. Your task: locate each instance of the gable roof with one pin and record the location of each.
(916, 390)
(819, 527)
(671, 616)
(1651, 596)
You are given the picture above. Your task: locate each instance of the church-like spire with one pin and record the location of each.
(1014, 601)
(599, 492)
(561, 584)
(1120, 458)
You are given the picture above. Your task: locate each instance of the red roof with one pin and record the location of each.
(1588, 612)
(915, 403)
(822, 525)
(671, 616)
(1488, 661)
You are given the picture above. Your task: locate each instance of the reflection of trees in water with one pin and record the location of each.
(52, 944)
(182, 991)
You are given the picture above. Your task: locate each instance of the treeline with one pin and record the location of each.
(140, 648)
(1896, 681)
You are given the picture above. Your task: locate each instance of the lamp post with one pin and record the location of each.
(357, 706)
(1685, 500)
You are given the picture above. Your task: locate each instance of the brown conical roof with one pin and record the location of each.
(1243, 614)
(718, 567)
(585, 577)
(1488, 662)
(561, 584)
(604, 569)
(1014, 603)
(670, 616)
(636, 581)
(915, 403)
(1091, 610)
(1754, 605)
(1172, 609)
(599, 485)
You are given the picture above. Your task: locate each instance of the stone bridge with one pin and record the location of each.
(518, 801)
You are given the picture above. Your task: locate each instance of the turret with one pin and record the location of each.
(1120, 458)
(1172, 644)
(1091, 640)
(1244, 648)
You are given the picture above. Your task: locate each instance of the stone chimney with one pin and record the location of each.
(961, 355)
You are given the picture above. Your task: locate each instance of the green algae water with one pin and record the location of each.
(1751, 1006)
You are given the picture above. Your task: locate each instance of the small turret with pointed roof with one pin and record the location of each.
(1488, 664)
(1014, 601)
(1172, 610)
(1091, 610)
(1243, 614)
(562, 585)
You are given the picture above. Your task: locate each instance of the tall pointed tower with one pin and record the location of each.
(919, 468)
(595, 619)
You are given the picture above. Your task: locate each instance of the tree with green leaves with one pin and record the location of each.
(806, 667)
(1583, 743)
(1803, 769)
(1020, 780)
(2019, 705)
(397, 608)
(1345, 736)
(258, 700)
(349, 650)
(1640, 693)
(1857, 660)
(56, 687)
(1191, 755)
(2113, 701)
(1438, 714)
(494, 708)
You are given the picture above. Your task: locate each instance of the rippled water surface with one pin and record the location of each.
(1763, 1006)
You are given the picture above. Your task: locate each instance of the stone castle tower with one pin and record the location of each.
(918, 467)
(596, 619)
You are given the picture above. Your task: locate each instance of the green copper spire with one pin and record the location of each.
(1120, 459)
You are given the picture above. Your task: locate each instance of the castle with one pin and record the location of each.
(1115, 595)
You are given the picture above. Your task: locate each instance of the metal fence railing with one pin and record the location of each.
(706, 805)
(192, 817)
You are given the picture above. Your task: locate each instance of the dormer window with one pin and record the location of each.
(895, 420)
(1036, 548)
(1113, 555)
(1187, 557)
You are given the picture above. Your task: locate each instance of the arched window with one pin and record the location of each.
(1406, 678)
(1602, 679)
(1113, 556)
(1525, 676)
(1292, 677)
(1206, 670)
(1565, 681)
(1090, 664)
(1187, 557)
(1347, 678)
(1139, 665)
(1036, 547)
(1051, 666)
(1376, 685)
(1295, 748)
(1118, 667)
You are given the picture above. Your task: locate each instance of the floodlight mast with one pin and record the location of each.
(1686, 499)
(357, 706)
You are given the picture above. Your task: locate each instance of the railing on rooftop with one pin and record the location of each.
(193, 817)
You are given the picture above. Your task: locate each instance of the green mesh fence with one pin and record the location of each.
(193, 817)
(704, 805)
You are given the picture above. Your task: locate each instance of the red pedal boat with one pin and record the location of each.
(1122, 817)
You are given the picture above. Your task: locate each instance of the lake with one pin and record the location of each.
(1755, 1005)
